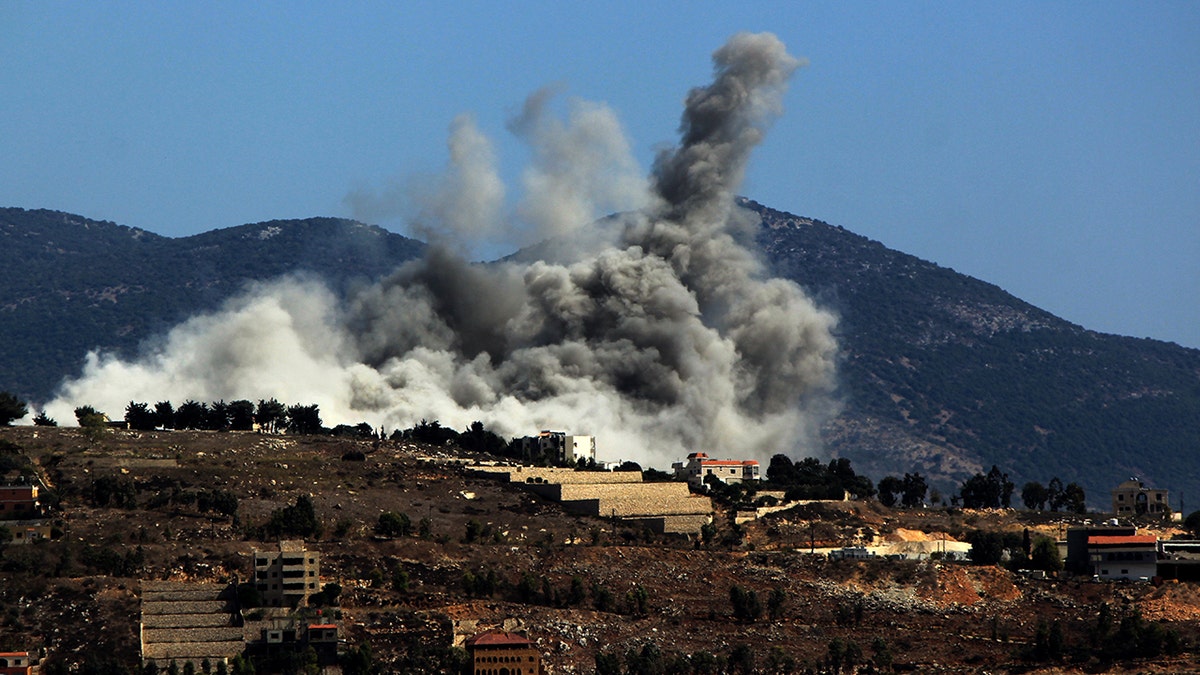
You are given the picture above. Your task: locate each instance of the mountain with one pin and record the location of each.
(941, 373)
(71, 284)
(949, 375)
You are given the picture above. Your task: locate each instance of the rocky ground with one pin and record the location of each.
(76, 598)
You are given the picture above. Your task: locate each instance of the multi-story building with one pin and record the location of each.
(285, 578)
(1132, 498)
(19, 501)
(498, 652)
(560, 446)
(699, 467)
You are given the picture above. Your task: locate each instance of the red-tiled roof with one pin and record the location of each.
(497, 638)
(728, 462)
(319, 626)
(1136, 540)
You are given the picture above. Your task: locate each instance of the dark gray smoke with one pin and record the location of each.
(670, 340)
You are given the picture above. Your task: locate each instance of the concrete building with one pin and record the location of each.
(281, 636)
(1128, 557)
(19, 501)
(285, 578)
(1132, 498)
(699, 467)
(498, 652)
(28, 531)
(1078, 560)
(15, 663)
(559, 446)
(667, 508)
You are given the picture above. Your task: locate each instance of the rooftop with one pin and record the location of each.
(1136, 540)
(498, 638)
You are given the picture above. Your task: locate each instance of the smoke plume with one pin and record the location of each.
(670, 339)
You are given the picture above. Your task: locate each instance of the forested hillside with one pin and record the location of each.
(948, 374)
(71, 284)
(941, 373)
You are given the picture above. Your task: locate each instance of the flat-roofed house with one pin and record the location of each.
(1123, 557)
(1133, 498)
(699, 467)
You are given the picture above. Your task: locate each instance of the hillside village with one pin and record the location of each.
(189, 551)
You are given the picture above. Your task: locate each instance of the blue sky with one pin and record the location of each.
(1050, 148)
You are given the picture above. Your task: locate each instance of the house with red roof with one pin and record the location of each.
(699, 466)
(15, 663)
(498, 652)
(1123, 556)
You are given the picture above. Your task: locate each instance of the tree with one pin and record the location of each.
(992, 491)
(164, 413)
(139, 416)
(1192, 523)
(1073, 498)
(44, 420)
(776, 604)
(1035, 496)
(987, 548)
(191, 415)
(299, 519)
(84, 412)
(1054, 493)
(914, 489)
(1045, 556)
(889, 487)
(93, 423)
(781, 470)
(11, 408)
(241, 415)
(393, 524)
(271, 415)
(304, 419)
(746, 606)
(218, 416)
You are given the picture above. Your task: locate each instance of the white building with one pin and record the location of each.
(698, 467)
(558, 445)
(1123, 557)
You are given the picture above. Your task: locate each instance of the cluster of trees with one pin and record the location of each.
(297, 520)
(911, 490)
(240, 415)
(747, 608)
(476, 438)
(1130, 637)
(992, 491)
(1056, 496)
(12, 408)
(810, 479)
(1024, 551)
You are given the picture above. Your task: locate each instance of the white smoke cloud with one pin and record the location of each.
(671, 340)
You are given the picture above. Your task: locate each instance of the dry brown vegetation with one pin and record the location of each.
(69, 598)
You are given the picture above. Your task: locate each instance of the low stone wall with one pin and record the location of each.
(579, 491)
(626, 507)
(673, 524)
